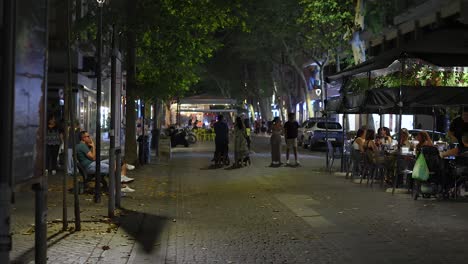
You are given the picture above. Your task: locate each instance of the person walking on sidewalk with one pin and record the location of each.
(240, 142)
(275, 142)
(290, 130)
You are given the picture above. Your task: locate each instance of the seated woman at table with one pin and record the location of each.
(369, 144)
(372, 150)
(359, 140)
(461, 150)
(404, 141)
(424, 140)
(383, 136)
(376, 156)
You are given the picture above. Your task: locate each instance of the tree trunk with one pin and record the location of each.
(300, 71)
(130, 118)
(264, 105)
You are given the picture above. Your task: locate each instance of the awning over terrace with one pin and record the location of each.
(417, 78)
(207, 99)
(414, 100)
(446, 47)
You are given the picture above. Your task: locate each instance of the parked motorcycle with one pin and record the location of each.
(178, 137)
(191, 137)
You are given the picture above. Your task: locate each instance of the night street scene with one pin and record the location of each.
(238, 132)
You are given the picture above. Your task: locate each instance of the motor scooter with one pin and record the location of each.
(178, 137)
(191, 137)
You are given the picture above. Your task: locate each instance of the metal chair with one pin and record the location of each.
(332, 154)
(402, 168)
(373, 168)
(434, 164)
(355, 164)
(87, 177)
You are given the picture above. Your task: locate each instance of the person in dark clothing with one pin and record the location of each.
(459, 126)
(73, 138)
(461, 150)
(248, 131)
(221, 138)
(290, 133)
(54, 138)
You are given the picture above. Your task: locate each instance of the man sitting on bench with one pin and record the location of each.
(86, 156)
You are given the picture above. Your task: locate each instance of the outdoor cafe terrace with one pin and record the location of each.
(425, 77)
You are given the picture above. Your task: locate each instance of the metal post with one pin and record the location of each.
(324, 99)
(343, 151)
(177, 113)
(381, 120)
(76, 187)
(6, 122)
(40, 190)
(433, 123)
(97, 191)
(5, 212)
(118, 184)
(141, 145)
(400, 103)
(112, 169)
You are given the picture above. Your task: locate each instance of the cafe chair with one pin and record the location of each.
(433, 186)
(459, 168)
(333, 153)
(355, 164)
(366, 167)
(377, 171)
(402, 168)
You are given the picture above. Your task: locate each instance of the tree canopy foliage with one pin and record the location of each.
(180, 37)
(328, 24)
(173, 38)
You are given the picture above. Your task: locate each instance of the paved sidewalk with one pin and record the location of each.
(101, 240)
(184, 211)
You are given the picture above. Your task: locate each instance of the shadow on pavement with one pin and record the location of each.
(144, 228)
(28, 255)
(211, 167)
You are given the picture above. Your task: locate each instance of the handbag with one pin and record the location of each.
(420, 170)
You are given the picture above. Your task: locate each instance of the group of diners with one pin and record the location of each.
(366, 139)
(377, 149)
(370, 145)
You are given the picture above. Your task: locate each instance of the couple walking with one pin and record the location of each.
(289, 130)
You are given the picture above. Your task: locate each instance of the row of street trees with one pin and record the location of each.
(249, 50)
(164, 43)
(272, 55)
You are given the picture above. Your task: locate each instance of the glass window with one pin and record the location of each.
(329, 125)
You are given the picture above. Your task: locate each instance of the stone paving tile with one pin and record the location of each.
(184, 212)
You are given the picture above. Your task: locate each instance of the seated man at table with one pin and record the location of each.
(459, 126)
(461, 150)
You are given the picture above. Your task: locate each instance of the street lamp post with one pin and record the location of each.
(97, 192)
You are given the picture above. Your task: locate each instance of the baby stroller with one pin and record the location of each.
(221, 155)
(246, 160)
